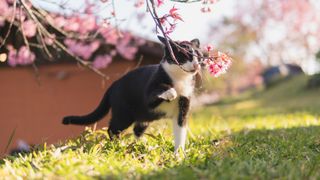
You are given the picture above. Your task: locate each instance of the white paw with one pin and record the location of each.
(169, 94)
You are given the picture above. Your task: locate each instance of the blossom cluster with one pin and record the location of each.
(76, 29)
(169, 21)
(23, 56)
(217, 61)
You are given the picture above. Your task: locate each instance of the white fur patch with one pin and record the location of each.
(190, 66)
(169, 95)
(182, 81)
(180, 136)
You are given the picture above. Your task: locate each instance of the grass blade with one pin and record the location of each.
(10, 139)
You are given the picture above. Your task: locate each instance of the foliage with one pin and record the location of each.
(318, 55)
(27, 28)
(314, 81)
(273, 134)
(275, 32)
(241, 76)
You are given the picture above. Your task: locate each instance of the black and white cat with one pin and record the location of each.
(150, 93)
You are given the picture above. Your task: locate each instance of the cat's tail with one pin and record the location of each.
(92, 117)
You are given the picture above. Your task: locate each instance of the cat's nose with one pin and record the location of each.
(196, 66)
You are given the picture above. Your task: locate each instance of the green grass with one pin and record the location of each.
(272, 134)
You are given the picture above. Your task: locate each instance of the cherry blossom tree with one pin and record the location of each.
(274, 31)
(28, 31)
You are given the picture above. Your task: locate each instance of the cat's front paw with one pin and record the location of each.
(169, 94)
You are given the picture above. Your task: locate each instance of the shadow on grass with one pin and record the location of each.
(260, 154)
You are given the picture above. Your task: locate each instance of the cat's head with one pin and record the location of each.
(187, 53)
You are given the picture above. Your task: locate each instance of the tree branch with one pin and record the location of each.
(156, 19)
(42, 30)
(11, 23)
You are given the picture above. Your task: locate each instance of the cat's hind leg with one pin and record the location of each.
(140, 128)
(118, 123)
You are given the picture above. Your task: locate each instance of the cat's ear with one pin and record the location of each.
(163, 41)
(195, 43)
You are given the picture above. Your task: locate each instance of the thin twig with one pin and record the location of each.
(36, 71)
(82, 62)
(186, 1)
(156, 19)
(115, 19)
(59, 44)
(10, 139)
(139, 62)
(11, 23)
(22, 30)
(41, 14)
(35, 19)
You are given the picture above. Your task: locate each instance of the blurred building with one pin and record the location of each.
(32, 111)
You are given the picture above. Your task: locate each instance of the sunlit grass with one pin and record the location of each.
(274, 134)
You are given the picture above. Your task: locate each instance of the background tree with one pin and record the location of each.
(274, 31)
(29, 31)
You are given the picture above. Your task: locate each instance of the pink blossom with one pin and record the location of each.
(7, 11)
(4, 8)
(218, 63)
(2, 21)
(23, 57)
(125, 49)
(89, 7)
(169, 21)
(213, 1)
(209, 47)
(73, 24)
(105, 23)
(139, 3)
(102, 61)
(60, 21)
(110, 35)
(94, 45)
(49, 40)
(160, 3)
(82, 49)
(29, 28)
(10, 1)
(139, 41)
(12, 56)
(173, 14)
(205, 9)
(87, 24)
(113, 52)
(128, 52)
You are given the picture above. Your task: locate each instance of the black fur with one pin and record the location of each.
(139, 128)
(182, 53)
(134, 97)
(184, 106)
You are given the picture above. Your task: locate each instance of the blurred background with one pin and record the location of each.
(271, 42)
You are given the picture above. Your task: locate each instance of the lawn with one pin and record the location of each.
(270, 134)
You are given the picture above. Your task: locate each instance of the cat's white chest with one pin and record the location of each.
(184, 87)
(182, 81)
